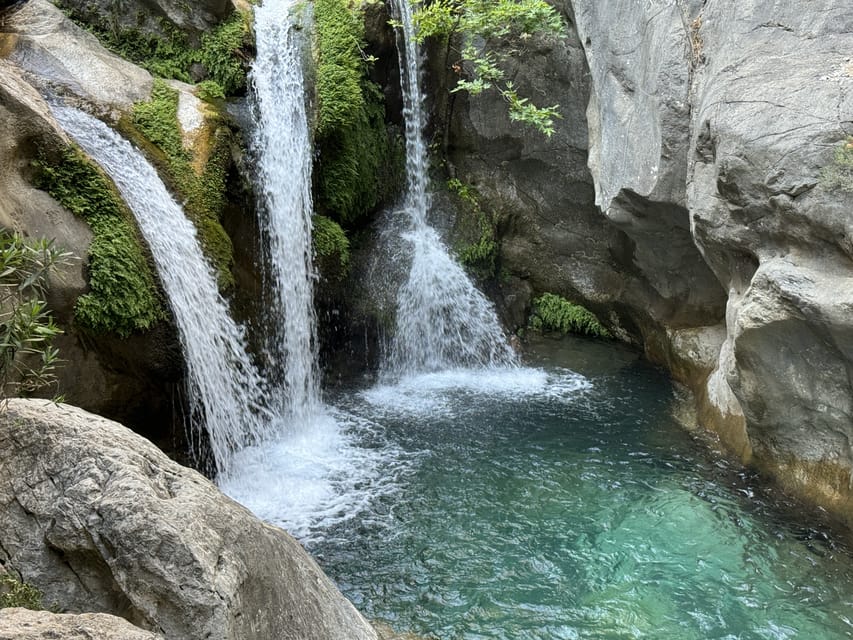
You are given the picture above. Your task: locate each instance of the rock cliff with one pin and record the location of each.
(682, 199)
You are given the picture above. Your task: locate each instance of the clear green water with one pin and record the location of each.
(546, 503)
(576, 513)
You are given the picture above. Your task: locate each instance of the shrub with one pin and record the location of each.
(554, 313)
(27, 358)
(492, 32)
(14, 593)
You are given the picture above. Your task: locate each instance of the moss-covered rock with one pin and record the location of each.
(219, 54)
(331, 248)
(358, 161)
(196, 172)
(123, 297)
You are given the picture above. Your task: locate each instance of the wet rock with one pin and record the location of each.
(23, 624)
(58, 54)
(99, 519)
(155, 16)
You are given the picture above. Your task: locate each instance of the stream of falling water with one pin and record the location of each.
(225, 391)
(282, 147)
(442, 320)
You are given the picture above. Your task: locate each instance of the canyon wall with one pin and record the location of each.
(684, 198)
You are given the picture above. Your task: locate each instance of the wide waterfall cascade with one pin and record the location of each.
(282, 148)
(225, 389)
(442, 320)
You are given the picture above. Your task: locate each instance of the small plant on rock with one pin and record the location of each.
(14, 593)
(839, 174)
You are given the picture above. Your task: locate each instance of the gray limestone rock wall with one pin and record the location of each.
(99, 519)
(681, 199)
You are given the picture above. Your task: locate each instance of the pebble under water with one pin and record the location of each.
(550, 503)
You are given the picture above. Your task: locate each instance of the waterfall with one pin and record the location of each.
(225, 390)
(443, 321)
(282, 147)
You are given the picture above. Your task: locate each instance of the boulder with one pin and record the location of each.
(100, 520)
(58, 54)
(23, 624)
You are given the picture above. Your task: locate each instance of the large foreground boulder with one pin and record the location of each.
(99, 519)
(23, 624)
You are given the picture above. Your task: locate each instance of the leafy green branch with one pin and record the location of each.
(27, 358)
(493, 32)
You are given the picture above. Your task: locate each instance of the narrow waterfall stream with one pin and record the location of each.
(225, 391)
(282, 147)
(443, 321)
(312, 470)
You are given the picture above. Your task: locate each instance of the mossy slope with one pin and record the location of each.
(124, 296)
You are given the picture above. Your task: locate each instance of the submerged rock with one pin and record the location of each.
(99, 519)
(23, 624)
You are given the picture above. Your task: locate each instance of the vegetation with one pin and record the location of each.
(358, 162)
(331, 247)
(492, 32)
(554, 313)
(124, 296)
(27, 358)
(481, 254)
(839, 174)
(221, 51)
(14, 593)
(199, 181)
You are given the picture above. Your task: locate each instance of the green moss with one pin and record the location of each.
(14, 593)
(554, 313)
(171, 55)
(331, 247)
(154, 127)
(357, 165)
(124, 296)
(481, 254)
(839, 174)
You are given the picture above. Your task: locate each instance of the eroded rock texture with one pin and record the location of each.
(99, 519)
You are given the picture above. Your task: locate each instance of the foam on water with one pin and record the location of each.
(333, 469)
(445, 392)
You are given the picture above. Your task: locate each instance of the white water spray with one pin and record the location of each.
(443, 321)
(225, 391)
(282, 146)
